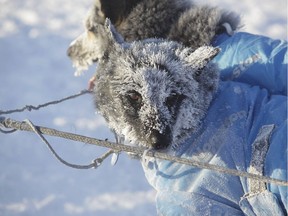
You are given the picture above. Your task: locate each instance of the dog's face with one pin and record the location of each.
(86, 48)
(155, 92)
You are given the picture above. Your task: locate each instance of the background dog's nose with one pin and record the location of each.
(69, 51)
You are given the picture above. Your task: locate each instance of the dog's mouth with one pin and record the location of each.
(83, 52)
(82, 65)
(82, 62)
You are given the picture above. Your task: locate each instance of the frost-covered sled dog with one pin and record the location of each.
(161, 94)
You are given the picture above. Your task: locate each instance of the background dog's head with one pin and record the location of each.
(84, 50)
(153, 92)
(134, 19)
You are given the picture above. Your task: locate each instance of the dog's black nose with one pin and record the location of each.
(161, 140)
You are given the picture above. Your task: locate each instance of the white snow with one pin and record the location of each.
(34, 69)
(112, 202)
(28, 205)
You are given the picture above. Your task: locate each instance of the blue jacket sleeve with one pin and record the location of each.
(230, 131)
(255, 60)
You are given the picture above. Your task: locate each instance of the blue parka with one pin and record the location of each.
(245, 129)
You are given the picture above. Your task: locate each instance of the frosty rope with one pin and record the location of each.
(7, 132)
(31, 107)
(95, 163)
(9, 123)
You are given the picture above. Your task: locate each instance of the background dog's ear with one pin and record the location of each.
(112, 32)
(116, 10)
(110, 40)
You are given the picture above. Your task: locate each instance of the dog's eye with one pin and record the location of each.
(198, 72)
(162, 67)
(174, 101)
(135, 99)
(171, 100)
(92, 27)
(134, 96)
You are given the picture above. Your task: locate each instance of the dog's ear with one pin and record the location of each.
(116, 10)
(113, 35)
(199, 58)
(204, 73)
(110, 39)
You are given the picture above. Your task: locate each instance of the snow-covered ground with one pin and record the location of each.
(34, 69)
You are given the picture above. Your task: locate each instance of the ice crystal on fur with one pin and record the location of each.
(153, 92)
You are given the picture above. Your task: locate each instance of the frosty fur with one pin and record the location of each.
(153, 92)
(179, 20)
